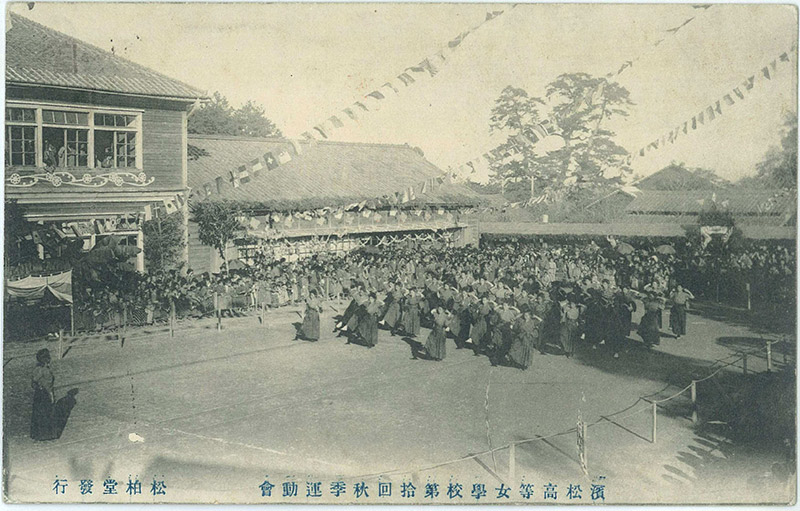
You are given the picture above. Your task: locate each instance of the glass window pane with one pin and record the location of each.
(65, 118)
(104, 148)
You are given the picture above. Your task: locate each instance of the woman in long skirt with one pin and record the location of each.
(310, 327)
(435, 346)
(411, 311)
(677, 315)
(43, 425)
(648, 325)
(368, 326)
(524, 341)
(479, 329)
(568, 329)
(392, 316)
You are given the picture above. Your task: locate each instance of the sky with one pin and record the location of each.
(306, 62)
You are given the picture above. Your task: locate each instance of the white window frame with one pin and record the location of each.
(90, 111)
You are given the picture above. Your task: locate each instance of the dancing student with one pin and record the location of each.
(435, 346)
(568, 328)
(677, 315)
(368, 325)
(309, 330)
(410, 313)
(648, 325)
(525, 339)
(479, 311)
(391, 318)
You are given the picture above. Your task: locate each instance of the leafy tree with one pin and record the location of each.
(250, 120)
(218, 223)
(779, 167)
(579, 105)
(218, 117)
(163, 242)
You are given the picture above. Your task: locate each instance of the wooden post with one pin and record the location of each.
(694, 401)
(512, 464)
(124, 322)
(171, 317)
(72, 320)
(216, 311)
(769, 355)
(783, 342)
(585, 428)
(655, 420)
(60, 343)
(747, 290)
(744, 363)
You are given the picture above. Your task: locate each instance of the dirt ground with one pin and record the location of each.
(216, 414)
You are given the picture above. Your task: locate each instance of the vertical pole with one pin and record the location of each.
(124, 321)
(747, 290)
(655, 420)
(171, 317)
(694, 401)
(744, 363)
(512, 464)
(783, 342)
(769, 355)
(72, 320)
(216, 311)
(60, 343)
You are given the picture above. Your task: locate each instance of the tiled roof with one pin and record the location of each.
(39, 55)
(323, 174)
(737, 201)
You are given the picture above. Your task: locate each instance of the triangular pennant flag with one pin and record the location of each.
(748, 83)
(765, 72)
(244, 175)
(337, 123)
(296, 147)
(270, 161)
(738, 93)
(774, 65)
(375, 94)
(455, 42)
(350, 113)
(389, 85)
(493, 14)
(169, 206)
(284, 156)
(233, 177)
(641, 151)
(321, 131)
(784, 57)
(361, 106)
(306, 135)
(256, 166)
(701, 118)
(406, 78)
(728, 99)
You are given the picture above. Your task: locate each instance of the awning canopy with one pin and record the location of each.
(58, 286)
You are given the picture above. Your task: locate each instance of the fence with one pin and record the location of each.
(582, 428)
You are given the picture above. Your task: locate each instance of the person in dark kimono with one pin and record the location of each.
(42, 418)
(391, 319)
(526, 333)
(351, 310)
(677, 315)
(568, 328)
(309, 330)
(435, 346)
(410, 310)
(480, 326)
(648, 325)
(368, 325)
(461, 320)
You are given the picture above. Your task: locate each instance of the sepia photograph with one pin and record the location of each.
(400, 253)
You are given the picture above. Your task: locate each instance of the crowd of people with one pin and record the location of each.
(503, 300)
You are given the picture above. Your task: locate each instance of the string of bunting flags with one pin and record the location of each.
(539, 132)
(271, 160)
(714, 110)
